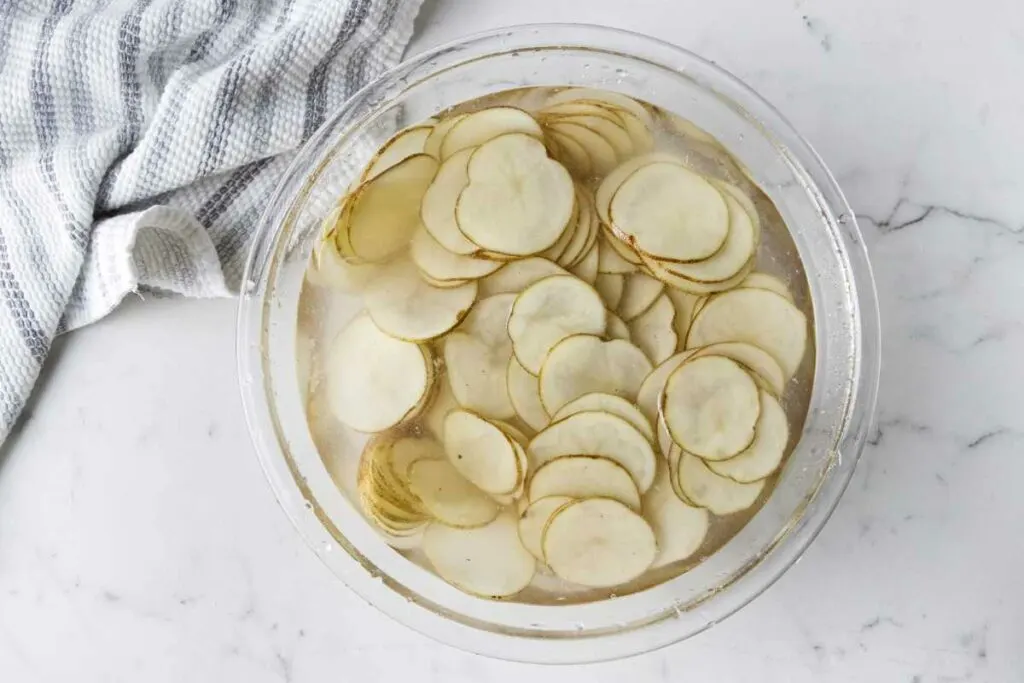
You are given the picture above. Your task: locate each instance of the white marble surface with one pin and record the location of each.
(139, 542)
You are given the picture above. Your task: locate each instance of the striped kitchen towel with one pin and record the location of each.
(139, 140)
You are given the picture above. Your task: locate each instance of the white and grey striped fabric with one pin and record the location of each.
(139, 140)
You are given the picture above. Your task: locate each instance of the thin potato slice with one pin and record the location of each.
(518, 201)
(582, 231)
(739, 247)
(660, 270)
(598, 543)
(610, 286)
(754, 316)
(557, 250)
(330, 269)
(608, 403)
(611, 183)
(524, 392)
(441, 404)
(402, 145)
(448, 496)
(584, 476)
(534, 519)
(684, 303)
(720, 495)
(488, 561)
(406, 307)
(481, 452)
(711, 406)
(679, 528)
(582, 364)
(477, 355)
(516, 276)
(649, 396)
(602, 155)
(409, 450)
(572, 154)
(674, 457)
(547, 312)
(442, 265)
(765, 454)
(617, 329)
(622, 249)
(609, 260)
(572, 109)
(613, 131)
(438, 208)
(601, 434)
(586, 269)
(639, 293)
(609, 98)
(483, 126)
(759, 362)
(432, 145)
(654, 330)
(769, 282)
(374, 381)
(384, 212)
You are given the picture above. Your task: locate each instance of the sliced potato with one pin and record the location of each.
(610, 286)
(477, 355)
(384, 212)
(661, 270)
(679, 528)
(442, 403)
(611, 129)
(584, 233)
(442, 265)
(614, 100)
(617, 329)
(448, 496)
(602, 155)
(411, 449)
(735, 253)
(483, 126)
(721, 495)
(481, 452)
(547, 312)
(599, 543)
(654, 330)
(586, 269)
(572, 154)
(432, 145)
(761, 364)
(555, 251)
(533, 520)
(769, 282)
(584, 476)
(438, 207)
(611, 183)
(609, 260)
(403, 305)
(639, 293)
(765, 454)
(608, 403)
(649, 396)
(674, 455)
(601, 434)
(524, 392)
(582, 364)
(489, 561)
(330, 269)
(684, 303)
(374, 381)
(402, 145)
(516, 276)
(711, 406)
(518, 200)
(754, 316)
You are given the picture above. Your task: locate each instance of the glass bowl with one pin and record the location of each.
(841, 296)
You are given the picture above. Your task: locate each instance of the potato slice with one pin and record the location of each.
(610, 286)
(572, 154)
(684, 303)
(518, 201)
(440, 405)
(765, 454)
(612, 130)
(602, 155)
(609, 260)
(763, 367)
(769, 282)
(611, 183)
(617, 329)
(547, 312)
(599, 543)
(584, 476)
(516, 276)
(489, 561)
(586, 269)
(739, 247)
(654, 330)
(483, 126)
(330, 269)
(711, 406)
(754, 316)
(584, 233)
(438, 208)
(615, 100)
(533, 520)
(674, 455)
(576, 108)
(402, 145)
(442, 265)
(374, 381)
(608, 403)
(670, 212)
(554, 252)
(679, 528)
(411, 449)
(448, 496)
(648, 398)
(524, 392)
(719, 494)
(639, 293)
(477, 355)
(660, 270)
(582, 364)
(403, 305)
(384, 212)
(432, 145)
(481, 452)
(601, 434)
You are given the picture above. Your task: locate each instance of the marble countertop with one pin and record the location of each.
(139, 541)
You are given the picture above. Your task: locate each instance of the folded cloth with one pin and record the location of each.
(139, 140)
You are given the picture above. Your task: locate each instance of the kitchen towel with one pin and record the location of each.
(140, 139)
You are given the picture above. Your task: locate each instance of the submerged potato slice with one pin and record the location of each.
(442, 403)
(402, 145)
(654, 330)
(406, 307)
(603, 157)
(374, 381)
(448, 496)
(442, 265)
(489, 561)
(639, 293)
(384, 212)
(547, 312)
(482, 452)
(601, 434)
(684, 303)
(763, 366)
(765, 454)
(610, 260)
(432, 145)
(617, 329)
(584, 476)
(711, 406)
(608, 403)
(586, 269)
(754, 316)
(599, 543)
(615, 100)
(477, 355)
(533, 520)
(673, 456)
(483, 126)
(610, 286)
(769, 282)
(516, 276)
(438, 207)
(518, 200)
(649, 397)
(679, 528)
(524, 392)
(411, 449)
(582, 364)
(611, 183)
(719, 494)
(739, 247)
